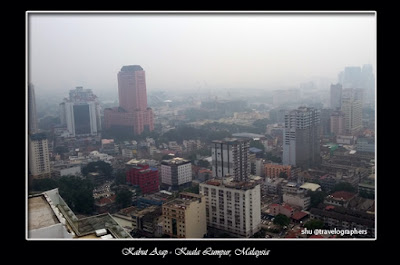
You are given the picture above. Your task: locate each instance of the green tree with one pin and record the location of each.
(343, 186)
(43, 184)
(261, 125)
(316, 198)
(203, 163)
(260, 234)
(281, 220)
(61, 149)
(123, 198)
(99, 167)
(283, 174)
(77, 193)
(120, 178)
(314, 224)
(257, 144)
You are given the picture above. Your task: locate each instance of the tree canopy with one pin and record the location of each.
(343, 186)
(281, 220)
(316, 198)
(314, 224)
(99, 167)
(123, 198)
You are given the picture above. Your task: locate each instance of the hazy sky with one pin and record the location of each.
(192, 51)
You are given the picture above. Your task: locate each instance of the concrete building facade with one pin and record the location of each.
(231, 206)
(176, 173)
(185, 217)
(301, 145)
(231, 157)
(80, 113)
(133, 113)
(352, 110)
(39, 156)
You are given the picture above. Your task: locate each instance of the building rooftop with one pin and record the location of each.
(343, 214)
(342, 195)
(248, 135)
(40, 213)
(175, 161)
(230, 183)
(38, 136)
(131, 68)
(51, 217)
(310, 186)
(299, 215)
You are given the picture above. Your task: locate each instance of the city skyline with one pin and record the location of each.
(196, 51)
(239, 125)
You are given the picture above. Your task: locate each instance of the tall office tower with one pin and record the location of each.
(352, 110)
(231, 157)
(176, 173)
(336, 96)
(32, 114)
(337, 123)
(368, 83)
(132, 113)
(351, 77)
(81, 113)
(325, 123)
(231, 206)
(39, 158)
(301, 146)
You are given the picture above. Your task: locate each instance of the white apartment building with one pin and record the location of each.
(80, 113)
(232, 206)
(175, 173)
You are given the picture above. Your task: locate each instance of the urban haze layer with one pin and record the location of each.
(290, 163)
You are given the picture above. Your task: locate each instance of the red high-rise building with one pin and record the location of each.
(141, 174)
(132, 112)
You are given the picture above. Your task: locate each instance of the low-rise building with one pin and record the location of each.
(340, 198)
(273, 185)
(275, 209)
(342, 218)
(299, 200)
(366, 144)
(274, 170)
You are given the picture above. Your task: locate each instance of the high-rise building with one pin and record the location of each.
(337, 123)
(325, 123)
(39, 156)
(141, 174)
(368, 83)
(32, 114)
(301, 137)
(351, 77)
(336, 96)
(185, 217)
(80, 113)
(176, 173)
(233, 206)
(231, 157)
(352, 110)
(132, 113)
